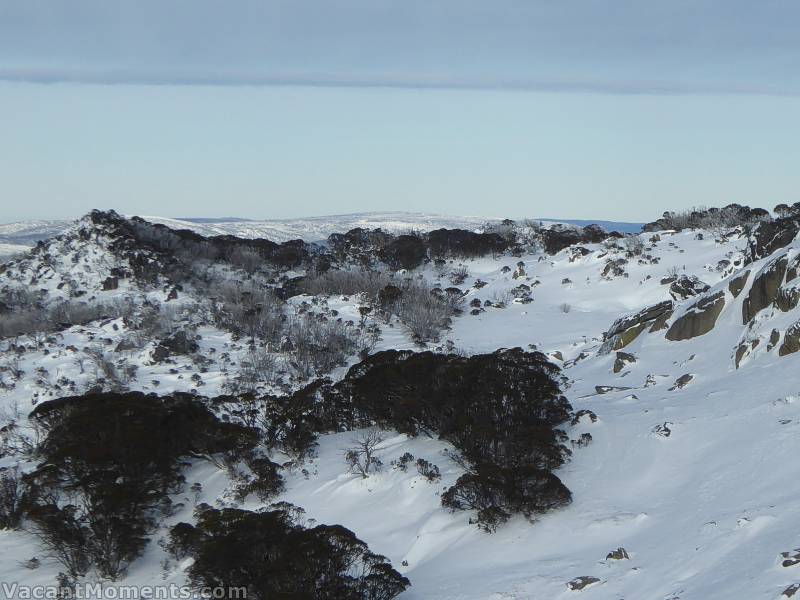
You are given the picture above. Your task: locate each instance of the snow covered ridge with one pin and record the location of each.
(310, 229)
(298, 402)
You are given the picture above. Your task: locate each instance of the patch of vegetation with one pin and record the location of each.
(108, 463)
(272, 555)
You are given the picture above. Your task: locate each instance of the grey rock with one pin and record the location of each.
(699, 319)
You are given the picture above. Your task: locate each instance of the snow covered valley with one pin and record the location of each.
(676, 351)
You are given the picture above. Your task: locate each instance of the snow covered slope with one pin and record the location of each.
(693, 410)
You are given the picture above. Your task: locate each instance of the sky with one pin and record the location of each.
(278, 109)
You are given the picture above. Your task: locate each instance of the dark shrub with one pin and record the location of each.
(11, 491)
(115, 457)
(273, 557)
(406, 252)
(459, 243)
(501, 410)
(503, 491)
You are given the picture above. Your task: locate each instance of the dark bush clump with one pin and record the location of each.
(108, 463)
(500, 410)
(272, 556)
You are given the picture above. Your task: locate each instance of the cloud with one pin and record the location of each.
(574, 46)
(225, 78)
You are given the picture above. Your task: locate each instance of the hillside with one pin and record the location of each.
(658, 365)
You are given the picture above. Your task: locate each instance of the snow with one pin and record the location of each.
(310, 229)
(704, 513)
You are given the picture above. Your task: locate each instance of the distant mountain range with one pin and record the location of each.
(15, 237)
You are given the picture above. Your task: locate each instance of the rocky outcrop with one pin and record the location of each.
(791, 340)
(770, 236)
(744, 349)
(787, 297)
(699, 319)
(618, 554)
(736, 284)
(623, 331)
(790, 558)
(790, 591)
(580, 583)
(686, 287)
(623, 358)
(682, 381)
(764, 289)
(793, 269)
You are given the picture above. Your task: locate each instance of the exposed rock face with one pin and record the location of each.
(791, 340)
(686, 287)
(744, 349)
(774, 338)
(787, 297)
(623, 358)
(794, 268)
(769, 236)
(736, 285)
(764, 289)
(623, 331)
(699, 319)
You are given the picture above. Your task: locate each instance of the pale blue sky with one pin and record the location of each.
(269, 109)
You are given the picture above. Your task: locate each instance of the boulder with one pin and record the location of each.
(764, 289)
(791, 340)
(699, 319)
(774, 338)
(790, 591)
(618, 554)
(580, 583)
(682, 381)
(686, 287)
(623, 358)
(787, 297)
(790, 558)
(626, 329)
